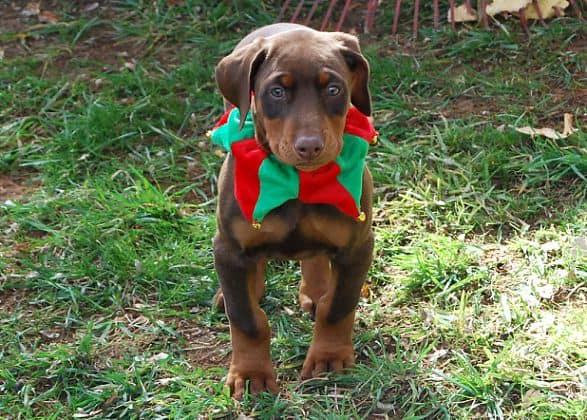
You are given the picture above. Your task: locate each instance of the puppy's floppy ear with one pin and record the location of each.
(235, 75)
(351, 52)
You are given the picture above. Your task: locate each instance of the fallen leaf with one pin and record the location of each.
(83, 415)
(1, 54)
(505, 306)
(130, 65)
(167, 381)
(462, 14)
(547, 9)
(549, 132)
(92, 6)
(49, 334)
(550, 246)
(157, 357)
(532, 396)
(580, 245)
(32, 8)
(525, 292)
(433, 357)
(568, 128)
(385, 407)
(510, 6)
(545, 132)
(365, 291)
(48, 17)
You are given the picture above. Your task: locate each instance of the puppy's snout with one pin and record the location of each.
(308, 147)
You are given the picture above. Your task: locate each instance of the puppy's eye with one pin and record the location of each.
(277, 92)
(333, 90)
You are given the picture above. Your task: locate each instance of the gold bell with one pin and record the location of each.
(362, 217)
(256, 225)
(375, 139)
(209, 133)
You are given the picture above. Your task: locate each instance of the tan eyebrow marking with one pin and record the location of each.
(287, 80)
(323, 78)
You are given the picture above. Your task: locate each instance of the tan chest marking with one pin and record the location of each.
(329, 231)
(272, 230)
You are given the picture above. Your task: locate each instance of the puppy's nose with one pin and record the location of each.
(308, 147)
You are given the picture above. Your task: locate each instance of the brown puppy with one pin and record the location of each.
(303, 82)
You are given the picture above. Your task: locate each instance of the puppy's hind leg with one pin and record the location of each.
(316, 278)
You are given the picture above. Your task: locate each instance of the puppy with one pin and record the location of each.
(293, 186)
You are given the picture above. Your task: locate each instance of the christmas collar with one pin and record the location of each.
(262, 182)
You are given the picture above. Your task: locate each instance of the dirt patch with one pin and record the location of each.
(134, 333)
(12, 187)
(203, 347)
(32, 318)
(27, 36)
(11, 299)
(466, 107)
(131, 333)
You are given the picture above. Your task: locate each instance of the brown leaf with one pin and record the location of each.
(130, 65)
(568, 128)
(549, 132)
(580, 245)
(48, 17)
(32, 8)
(462, 14)
(546, 9)
(510, 6)
(545, 132)
(91, 7)
(365, 291)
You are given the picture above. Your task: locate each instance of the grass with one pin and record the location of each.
(475, 305)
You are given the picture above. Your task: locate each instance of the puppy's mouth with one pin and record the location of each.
(310, 166)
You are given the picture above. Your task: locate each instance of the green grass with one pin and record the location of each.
(475, 305)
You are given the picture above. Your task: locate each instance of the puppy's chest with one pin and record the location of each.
(296, 232)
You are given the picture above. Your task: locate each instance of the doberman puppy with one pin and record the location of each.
(299, 85)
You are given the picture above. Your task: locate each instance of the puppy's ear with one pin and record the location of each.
(235, 75)
(351, 52)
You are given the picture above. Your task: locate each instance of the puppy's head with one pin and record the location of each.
(303, 83)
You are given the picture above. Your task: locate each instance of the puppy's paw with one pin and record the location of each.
(307, 304)
(258, 382)
(218, 301)
(335, 359)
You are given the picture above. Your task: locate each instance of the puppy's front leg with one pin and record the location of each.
(332, 347)
(249, 330)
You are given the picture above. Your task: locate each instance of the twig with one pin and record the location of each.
(328, 13)
(345, 10)
(398, 4)
(416, 11)
(297, 11)
(312, 11)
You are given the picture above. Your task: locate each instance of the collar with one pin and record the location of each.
(262, 182)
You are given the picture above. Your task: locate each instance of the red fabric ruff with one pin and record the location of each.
(359, 125)
(248, 157)
(224, 117)
(322, 186)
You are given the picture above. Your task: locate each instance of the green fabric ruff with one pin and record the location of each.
(279, 183)
(352, 162)
(229, 132)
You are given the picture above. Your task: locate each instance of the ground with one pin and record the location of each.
(475, 305)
